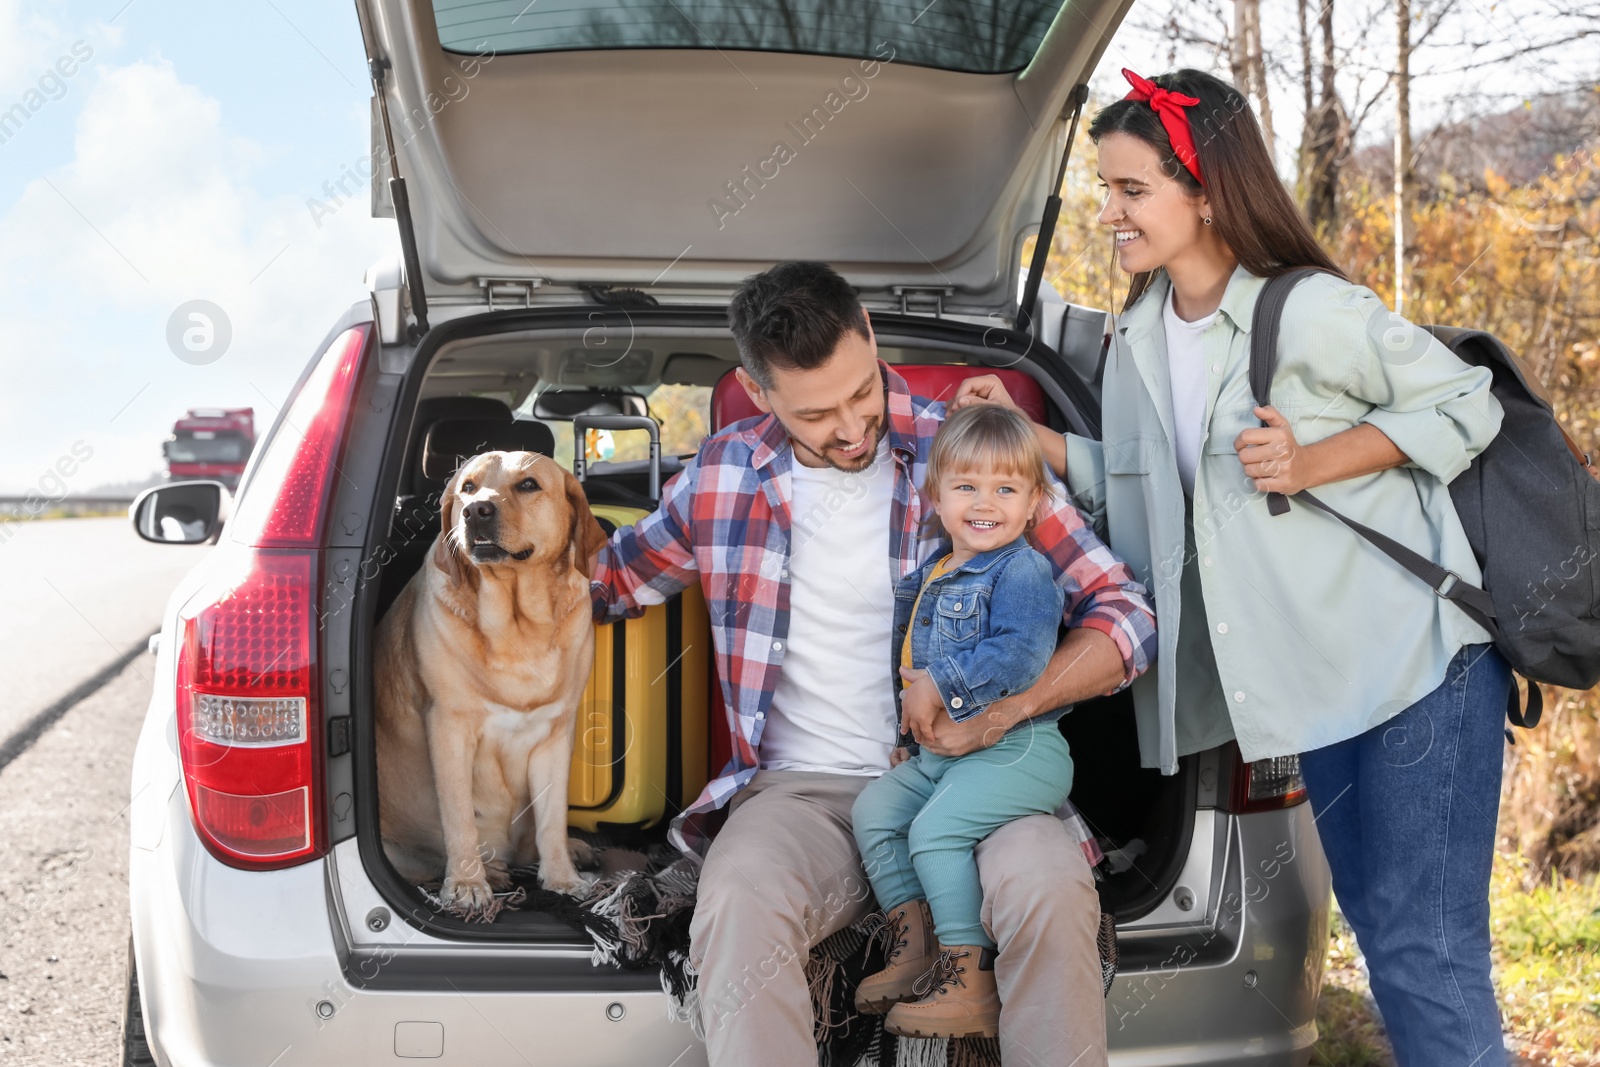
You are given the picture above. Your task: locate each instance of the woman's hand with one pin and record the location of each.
(1276, 463)
(987, 389)
(983, 389)
(1273, 460)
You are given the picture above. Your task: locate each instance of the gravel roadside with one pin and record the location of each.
(64, 881)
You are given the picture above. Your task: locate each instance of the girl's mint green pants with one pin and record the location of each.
(917, 825)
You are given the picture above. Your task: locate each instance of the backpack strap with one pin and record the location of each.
(1447, 583)
(1528, 717)
(1265, 325)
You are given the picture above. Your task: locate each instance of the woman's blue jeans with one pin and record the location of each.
(1406, 813)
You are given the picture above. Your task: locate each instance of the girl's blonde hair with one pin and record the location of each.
(986, 437)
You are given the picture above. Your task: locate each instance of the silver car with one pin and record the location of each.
(578, 189)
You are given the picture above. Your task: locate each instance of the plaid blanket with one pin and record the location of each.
(637, 917)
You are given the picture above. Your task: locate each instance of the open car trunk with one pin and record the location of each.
(536, 362)
(679, 145)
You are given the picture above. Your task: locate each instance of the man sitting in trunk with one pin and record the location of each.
(798, 525)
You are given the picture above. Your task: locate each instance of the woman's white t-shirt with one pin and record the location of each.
(1186, 369)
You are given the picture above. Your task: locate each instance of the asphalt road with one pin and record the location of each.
(75, 594)
(64, 882)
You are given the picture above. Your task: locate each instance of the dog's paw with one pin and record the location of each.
(583, 854)
(498, 875)
(568, 881)
(468, 896)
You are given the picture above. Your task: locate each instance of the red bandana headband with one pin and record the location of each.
(1169, 107)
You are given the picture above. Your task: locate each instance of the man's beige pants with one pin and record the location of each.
(784, 873)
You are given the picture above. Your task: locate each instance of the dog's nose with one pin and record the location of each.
(480, 509)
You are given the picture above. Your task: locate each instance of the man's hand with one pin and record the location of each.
(924, 714)
(982, 389)
(950, 738)
(919, 704)
(1085, 664)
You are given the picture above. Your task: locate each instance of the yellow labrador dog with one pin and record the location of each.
(481, 663)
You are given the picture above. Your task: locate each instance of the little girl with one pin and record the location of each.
(978, 623)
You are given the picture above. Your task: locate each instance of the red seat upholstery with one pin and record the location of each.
(936, 381)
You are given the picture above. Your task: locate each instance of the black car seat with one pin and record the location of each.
(445, 432)
(448, 443)
(430, 411)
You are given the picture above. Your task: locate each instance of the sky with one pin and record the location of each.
(175, 162)
(1482, 58)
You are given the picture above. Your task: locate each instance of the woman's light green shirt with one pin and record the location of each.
(1317, 635)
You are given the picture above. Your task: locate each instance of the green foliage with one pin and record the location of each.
(1547, 972)
(1547, 953)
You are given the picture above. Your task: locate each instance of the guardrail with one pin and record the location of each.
(33, 505)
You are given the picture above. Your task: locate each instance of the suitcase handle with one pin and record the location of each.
(581, 424)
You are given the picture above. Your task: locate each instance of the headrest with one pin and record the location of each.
(433, 409)
(449, 442)
(935, 381)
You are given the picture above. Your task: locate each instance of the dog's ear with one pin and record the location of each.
(585, 535)
(446, 553)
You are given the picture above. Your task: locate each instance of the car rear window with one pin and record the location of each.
(977, 36)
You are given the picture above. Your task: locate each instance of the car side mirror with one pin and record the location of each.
(180, 513)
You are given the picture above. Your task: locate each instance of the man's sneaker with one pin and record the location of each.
(911, 954)
(959, 998)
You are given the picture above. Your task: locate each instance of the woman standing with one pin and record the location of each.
(1290, 633)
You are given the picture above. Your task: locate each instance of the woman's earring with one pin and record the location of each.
(1206, 220)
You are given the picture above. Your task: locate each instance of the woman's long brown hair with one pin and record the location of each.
(1252, 211)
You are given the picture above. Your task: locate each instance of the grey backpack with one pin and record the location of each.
(1528, 503)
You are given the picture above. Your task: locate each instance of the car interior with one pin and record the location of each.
(522, 393)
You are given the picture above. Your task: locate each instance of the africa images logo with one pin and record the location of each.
(199, 332)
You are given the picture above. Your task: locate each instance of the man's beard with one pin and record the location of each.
(879, 428)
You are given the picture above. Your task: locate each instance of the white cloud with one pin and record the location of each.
(31, 43)
(157, 207)
(25, 42)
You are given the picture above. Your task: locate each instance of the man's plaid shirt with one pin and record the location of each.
(725, 518)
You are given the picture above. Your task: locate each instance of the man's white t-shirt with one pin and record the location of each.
(1186, 370)
(833, 708)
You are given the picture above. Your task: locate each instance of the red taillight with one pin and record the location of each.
(271, 827)
(249, 714)
(1265, 785)
(287, 502)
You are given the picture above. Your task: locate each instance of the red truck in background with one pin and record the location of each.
(210, 443)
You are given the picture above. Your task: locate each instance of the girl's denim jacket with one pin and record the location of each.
(983, 631)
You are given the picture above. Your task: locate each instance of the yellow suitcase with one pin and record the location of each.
(641, 752)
